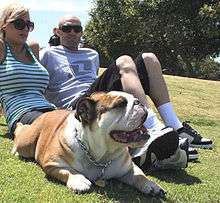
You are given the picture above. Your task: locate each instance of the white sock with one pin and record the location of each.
(152, 122)
(168, 115)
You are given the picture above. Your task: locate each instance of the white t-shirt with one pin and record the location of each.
(71, 73)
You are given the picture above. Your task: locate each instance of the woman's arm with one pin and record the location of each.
(2, 55)
(2, 50)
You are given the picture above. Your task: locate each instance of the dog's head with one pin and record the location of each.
(117, 115)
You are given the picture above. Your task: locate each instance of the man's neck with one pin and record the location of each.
(71, 47)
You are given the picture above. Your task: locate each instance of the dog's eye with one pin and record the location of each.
(123, 103)
(136, 102)
(118, 103)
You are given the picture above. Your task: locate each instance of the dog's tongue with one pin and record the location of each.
(137, 135)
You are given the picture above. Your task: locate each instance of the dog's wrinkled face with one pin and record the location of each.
(117, 114)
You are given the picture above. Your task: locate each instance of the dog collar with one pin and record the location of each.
(90, 157)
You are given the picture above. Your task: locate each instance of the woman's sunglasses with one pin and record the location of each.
(20, 24)
(69, 28)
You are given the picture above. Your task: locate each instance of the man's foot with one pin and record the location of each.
(192, 152)
(177, 161)
(194, 138)
(162, 146)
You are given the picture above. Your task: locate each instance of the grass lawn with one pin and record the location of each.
(195, 100)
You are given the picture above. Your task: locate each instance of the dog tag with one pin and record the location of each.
(100, 183)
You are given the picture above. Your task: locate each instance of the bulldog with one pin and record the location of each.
(89, 145)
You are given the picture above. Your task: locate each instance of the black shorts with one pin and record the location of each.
(28, 118)
(110, 80)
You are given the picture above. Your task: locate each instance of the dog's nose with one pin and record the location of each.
(137, 102)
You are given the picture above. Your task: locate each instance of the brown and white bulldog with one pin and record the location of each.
(83, 147)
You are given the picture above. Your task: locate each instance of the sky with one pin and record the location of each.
(46, 13)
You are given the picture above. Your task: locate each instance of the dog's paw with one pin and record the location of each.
(151, 188)
(14, 151)
(78, 183)
(20, 128)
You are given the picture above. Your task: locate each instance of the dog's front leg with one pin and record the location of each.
(135, 177)
(75, 181)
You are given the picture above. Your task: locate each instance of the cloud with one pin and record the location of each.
(55, 5)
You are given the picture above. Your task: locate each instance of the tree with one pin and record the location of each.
(173, 29)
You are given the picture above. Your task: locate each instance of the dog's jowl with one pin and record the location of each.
(90, 144)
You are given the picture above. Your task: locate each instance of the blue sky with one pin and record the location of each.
(46, 13)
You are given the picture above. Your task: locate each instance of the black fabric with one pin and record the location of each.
(142, 73)
(28, 118)
(110, 80)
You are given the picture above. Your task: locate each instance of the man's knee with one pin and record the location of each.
(149, 57)
(125, 63)
(152, 63)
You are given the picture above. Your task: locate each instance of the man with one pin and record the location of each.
(54, 39)
(73, 73)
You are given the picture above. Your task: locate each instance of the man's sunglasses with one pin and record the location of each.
(20, 24)
(69, 28)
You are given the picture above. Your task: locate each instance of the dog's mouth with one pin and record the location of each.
(136, 136)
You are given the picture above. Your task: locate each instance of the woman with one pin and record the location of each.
(23, 79)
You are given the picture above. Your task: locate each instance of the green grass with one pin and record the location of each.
(194, 100)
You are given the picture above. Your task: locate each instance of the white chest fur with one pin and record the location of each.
(83, 160)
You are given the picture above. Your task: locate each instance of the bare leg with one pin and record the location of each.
(129, 78)
(159, 92)
(131, 84)
(158, 88)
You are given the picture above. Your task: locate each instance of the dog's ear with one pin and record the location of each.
(86, 110)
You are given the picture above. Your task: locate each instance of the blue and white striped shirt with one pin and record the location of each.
(22, 86)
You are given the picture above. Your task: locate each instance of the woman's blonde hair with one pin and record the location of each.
(9, 13)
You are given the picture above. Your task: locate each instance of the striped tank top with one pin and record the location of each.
(22, 86)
